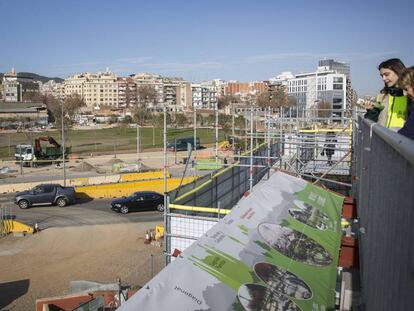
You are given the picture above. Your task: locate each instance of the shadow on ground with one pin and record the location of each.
(10, 291)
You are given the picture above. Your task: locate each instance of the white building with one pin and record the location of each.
(51, 87)
(204, 95)
(11, 87)
(322, 85)
(96, 89)
(18, 88)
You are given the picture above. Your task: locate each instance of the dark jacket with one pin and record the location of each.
(408, 128)
(330, 144)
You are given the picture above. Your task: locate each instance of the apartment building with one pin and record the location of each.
(257, 87)
(204, 95)
(170, 90)
(52, 87)
(153, 80)
(96, 89)
(185, 96)
(18, 88)
(236, 88)
(127, 92)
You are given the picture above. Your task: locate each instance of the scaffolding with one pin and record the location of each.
(308, 145)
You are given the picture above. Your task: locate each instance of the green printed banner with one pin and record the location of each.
(277, 250)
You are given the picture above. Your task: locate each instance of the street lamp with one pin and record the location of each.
(63, 150)
(138, 144)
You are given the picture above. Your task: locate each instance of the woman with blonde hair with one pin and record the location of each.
(406, 82)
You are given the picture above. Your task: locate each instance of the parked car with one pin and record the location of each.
(181, 144)
(45, 194)
(139, 201)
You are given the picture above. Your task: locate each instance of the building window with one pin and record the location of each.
(337, 86)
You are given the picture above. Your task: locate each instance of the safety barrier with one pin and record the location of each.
(124, 189)
(143, 176)
(13, 226)
(383, 184)
(208, 210)
(85, 181)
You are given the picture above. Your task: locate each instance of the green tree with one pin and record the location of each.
(159, 119)
(113, 119)
(225, 100)
(224, 122)
(127, 119)
(181, 119)
(239, 122)
(200, 119)
(210, 120)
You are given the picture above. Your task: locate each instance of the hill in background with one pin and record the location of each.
(36, 77)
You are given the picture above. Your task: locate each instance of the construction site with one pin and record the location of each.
(292, 212)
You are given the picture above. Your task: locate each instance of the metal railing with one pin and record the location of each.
(383, 169)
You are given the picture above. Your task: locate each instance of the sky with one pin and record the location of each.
(202, 40)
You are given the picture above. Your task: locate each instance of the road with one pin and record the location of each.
(101, 166)
(95, 212)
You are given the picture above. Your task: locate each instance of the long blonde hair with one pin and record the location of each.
(407, 78)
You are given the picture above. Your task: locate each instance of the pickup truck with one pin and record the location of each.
(45, 194)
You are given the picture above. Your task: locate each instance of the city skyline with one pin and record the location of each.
(231, 40)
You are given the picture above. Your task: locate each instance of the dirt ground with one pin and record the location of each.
(47, 261)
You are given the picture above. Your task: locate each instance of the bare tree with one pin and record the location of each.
(146, 95)
(263, 100)
(323, 109)
(71, 105)
(275, 98)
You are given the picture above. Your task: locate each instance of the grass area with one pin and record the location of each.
(106, 141)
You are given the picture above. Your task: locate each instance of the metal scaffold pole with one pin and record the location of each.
(268, 120)
(251, 150)
(195, 140)
(216, 111)
(165, 186)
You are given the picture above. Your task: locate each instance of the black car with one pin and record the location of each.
(45, 194)
(139, 201)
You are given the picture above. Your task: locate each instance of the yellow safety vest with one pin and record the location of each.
(397, 108)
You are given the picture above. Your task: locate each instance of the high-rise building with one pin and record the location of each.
(309, 89)
(330, 84)
(337, 66)
(344, 68)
